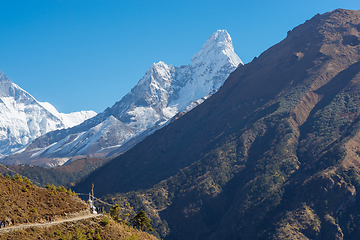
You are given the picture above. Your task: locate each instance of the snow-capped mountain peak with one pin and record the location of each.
(163, 91)
(3, 76)
(209, 68)
(23, 118)
(218, 44)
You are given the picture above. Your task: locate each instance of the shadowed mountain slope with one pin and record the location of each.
(274, 154)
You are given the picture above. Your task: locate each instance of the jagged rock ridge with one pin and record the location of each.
(164, 91)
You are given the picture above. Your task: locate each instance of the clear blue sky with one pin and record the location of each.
(86, 55)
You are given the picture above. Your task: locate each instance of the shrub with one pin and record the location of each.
(52, 187)
(89, 236)
(7, 176)
(133, 237)
(115, 212)
(105, 221)
(17, 177)
(24, 189)
(34, 210)
(70, 192)
(28, 181)
(91, 231)
(61, 189)
(97, 236)
(67, 237)
(79, 234)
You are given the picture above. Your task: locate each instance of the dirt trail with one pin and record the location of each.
(46, 224)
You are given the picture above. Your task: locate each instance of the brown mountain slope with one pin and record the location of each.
(26, 208)
(272, 155)
(91, 228)
(23, 202)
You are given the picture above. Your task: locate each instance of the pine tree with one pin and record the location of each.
(142, 222)
(115, 212)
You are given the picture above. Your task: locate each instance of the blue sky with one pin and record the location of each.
(86, 55)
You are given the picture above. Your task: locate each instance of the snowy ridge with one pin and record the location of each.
(90, 141)
(164, 91)
(23, 118)
(69, 119)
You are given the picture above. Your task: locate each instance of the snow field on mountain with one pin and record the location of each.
(163, 91)
(23, 118)
(69, 119)
(142, 118)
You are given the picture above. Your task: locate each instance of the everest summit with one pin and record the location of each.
(164, 91)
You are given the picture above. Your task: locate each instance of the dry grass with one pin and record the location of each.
(84, 229)
(22, 202)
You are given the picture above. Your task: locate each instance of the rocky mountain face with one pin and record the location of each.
(164, 91)
(23, 118)
(274, 154)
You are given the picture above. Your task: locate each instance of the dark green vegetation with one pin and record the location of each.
(126, 216)
(274, 154)
(142, 222)
(62, 175)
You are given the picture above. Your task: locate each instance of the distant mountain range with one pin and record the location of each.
(274, 154)
(163, 92)
(23, 118)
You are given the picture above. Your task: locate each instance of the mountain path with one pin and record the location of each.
(47, 224)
